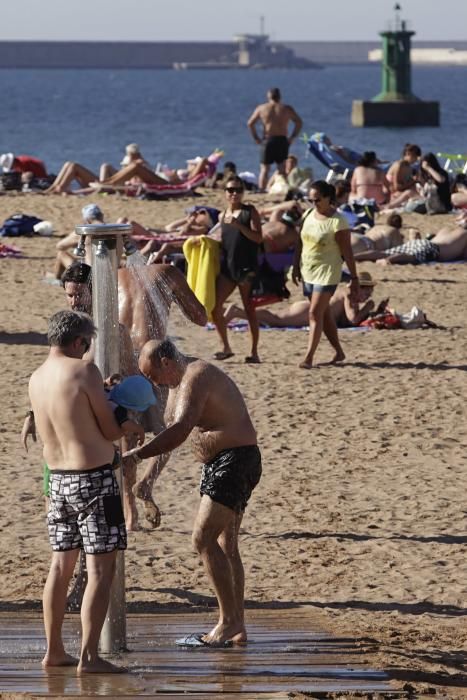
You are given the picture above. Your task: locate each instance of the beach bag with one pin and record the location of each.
(269, 284)
(433, 202)
(384, 321)
(19, 225)
(10, 181)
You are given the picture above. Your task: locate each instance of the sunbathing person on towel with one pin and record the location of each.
(448, 245)
(296, 315)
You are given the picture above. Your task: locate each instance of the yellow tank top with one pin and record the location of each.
(321, 260)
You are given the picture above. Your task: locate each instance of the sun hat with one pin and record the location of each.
(132, 149)
(365, 279)
(6, 161)
(135, 393)
(91, 212)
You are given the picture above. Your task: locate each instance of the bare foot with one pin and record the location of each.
(305, 365)
(383, 261)
(151, 511)
(221, 633)
(64, 659)
(99, 666)
(338, 357)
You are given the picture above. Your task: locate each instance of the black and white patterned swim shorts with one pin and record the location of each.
(423, 251)
(86, 511)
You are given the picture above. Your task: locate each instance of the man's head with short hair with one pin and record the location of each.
(92, 212)
(394, 220)
(65, 327)
(76, 281)
(274, 94)
(159, 360)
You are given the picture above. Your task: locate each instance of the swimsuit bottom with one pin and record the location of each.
(423, 251)
(239, 275)
(275, 150)
(85, 511)
(230, 477)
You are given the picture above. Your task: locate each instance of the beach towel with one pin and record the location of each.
(203, 258)
(10, 251)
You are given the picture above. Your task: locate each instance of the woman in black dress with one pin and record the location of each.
(241, 238)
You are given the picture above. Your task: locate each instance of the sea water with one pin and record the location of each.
(89, 116)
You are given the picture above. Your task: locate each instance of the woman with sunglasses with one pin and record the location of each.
(324, 241)
(241, 237)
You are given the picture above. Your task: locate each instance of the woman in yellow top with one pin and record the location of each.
(324, 241)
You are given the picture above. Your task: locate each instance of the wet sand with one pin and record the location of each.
(361, 510)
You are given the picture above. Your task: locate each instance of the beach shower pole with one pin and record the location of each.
(107, 358)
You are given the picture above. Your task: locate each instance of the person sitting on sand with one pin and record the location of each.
(401, 174)
(71, 172)
(459, 191)
(92, 214)
(198, 221)
(380, 236)
(297, 315)
(448, 245)
(368, 180)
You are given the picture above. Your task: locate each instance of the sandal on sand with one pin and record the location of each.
(196, 641)
(223, 355)
(252, 360)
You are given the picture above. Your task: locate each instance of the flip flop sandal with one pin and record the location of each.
(223, 355)
(196, 641)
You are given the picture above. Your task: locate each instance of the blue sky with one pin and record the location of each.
(196, 20)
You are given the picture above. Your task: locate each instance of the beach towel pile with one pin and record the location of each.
(9, 251)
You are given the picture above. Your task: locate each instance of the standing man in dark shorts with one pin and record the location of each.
(274, 117)
(76, 424)
(205, 402)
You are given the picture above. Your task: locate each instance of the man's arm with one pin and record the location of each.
(184, 297)
(191, 398)
(68, 241)
(345, 247)
(298, 123)
(252, 121)
(100, 406)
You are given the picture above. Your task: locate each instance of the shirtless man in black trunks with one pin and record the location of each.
(274, 117)
(206, 404)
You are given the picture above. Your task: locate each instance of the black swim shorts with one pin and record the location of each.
(231, 476)
(275, 150)
(85, 511)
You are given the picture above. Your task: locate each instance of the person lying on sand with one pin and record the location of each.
(380, 236)
(448, 245)
(296, 315)
(198, 221)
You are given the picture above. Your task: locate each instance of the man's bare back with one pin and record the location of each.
(222, 419)
(275, 118)
(146, 294)
(59, 392)
(452, 243)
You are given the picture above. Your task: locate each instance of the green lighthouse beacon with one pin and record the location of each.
(396, 105)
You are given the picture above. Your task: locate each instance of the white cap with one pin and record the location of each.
(6, 161)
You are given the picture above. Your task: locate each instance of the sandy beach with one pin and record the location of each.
(361, 510)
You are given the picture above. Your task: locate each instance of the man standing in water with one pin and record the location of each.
(274, 117)
(77, 426)
(205, 402)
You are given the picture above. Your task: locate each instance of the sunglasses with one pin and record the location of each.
(234, 190)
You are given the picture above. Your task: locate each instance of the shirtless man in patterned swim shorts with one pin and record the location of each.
(76, 425)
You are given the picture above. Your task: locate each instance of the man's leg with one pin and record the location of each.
(212, 521)
(263, 176)
(228, 541)
(101, 569)
(54, 605)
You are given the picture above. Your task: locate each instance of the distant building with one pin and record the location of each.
(440, 57)
(248, 50)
